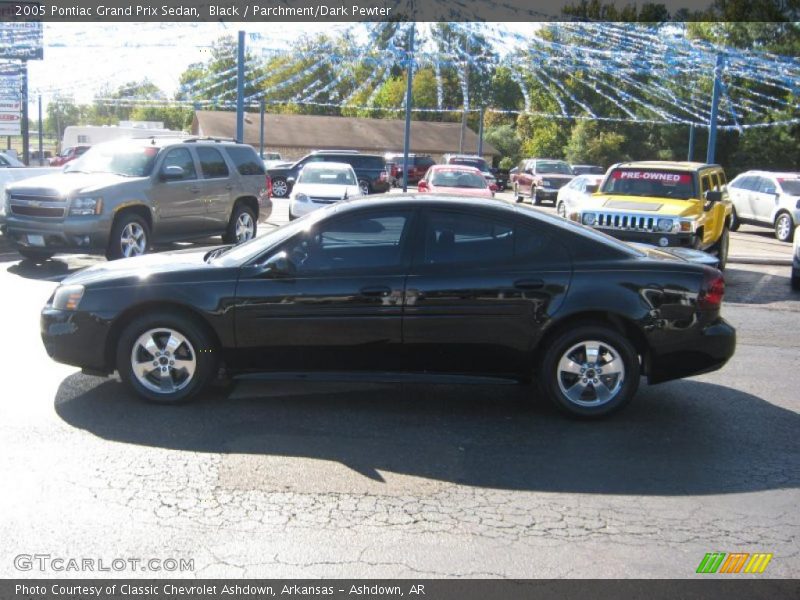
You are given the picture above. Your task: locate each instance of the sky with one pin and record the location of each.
(80, 58)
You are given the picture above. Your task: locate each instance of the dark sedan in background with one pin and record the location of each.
(426, 283)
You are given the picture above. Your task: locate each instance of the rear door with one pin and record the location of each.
(342, 309)
(765, 199)
(481, 285)
(216, 187)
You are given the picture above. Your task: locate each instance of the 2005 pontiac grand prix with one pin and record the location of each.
(425, 283)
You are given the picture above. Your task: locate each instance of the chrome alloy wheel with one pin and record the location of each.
(245, 228)
(133, 240)
(279, 188)
(591, 373)
(163, 360)
(783, 227)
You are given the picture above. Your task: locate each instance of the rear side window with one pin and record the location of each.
(767, 186)
(212, 163)
(368, 162)
(246, 160)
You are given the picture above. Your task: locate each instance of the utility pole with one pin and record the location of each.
(480, 133)
(690, 156)
(240, 91)
(261, 132)
(409, 77)
(712, 126)
(41, 151)
(25, 129)
(466, 95)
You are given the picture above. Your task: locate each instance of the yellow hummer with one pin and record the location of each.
(662, 203)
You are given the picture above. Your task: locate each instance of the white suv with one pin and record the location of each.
(766, 198)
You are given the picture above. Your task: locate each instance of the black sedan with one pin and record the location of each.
(426, 283)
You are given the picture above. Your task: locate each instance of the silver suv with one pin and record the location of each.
(122, 196)
(768, 199)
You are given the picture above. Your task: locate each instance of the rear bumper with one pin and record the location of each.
(75, 338)
(708, 350)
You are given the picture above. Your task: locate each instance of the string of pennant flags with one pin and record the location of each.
(614, 72)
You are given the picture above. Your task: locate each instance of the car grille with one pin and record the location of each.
(625, 221)
(324, 199)
(45, 203)
(555, 183)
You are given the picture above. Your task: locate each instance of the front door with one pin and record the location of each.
(341, 309)
(179, 203)
(480, 288)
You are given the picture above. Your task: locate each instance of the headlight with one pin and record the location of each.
(664, 225)
(588, 219)
(301, 198)
(85, 205)
(67, 297)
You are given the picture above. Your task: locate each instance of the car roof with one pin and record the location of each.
(328, 165)
(455, 167)
(667, 165)
(787, 174)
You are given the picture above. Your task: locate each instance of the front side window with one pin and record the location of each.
(212, 163)
(181, 157)
(359, 242)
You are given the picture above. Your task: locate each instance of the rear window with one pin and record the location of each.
(365, 162)
(650, 183)
(246, 160)
(478, 163)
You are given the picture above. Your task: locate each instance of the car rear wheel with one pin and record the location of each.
(166, 357)
(720, 249)
(796, 279)
(590, 371)
(242, 225)
(130, 236)
(734, 226)
(280, 189)
(784, 228)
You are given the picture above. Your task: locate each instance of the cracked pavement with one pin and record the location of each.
(291, 479)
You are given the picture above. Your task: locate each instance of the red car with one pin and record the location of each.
(67, 155)
(456, 179)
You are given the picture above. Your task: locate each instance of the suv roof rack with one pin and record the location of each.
(207, 139)
(337, 151)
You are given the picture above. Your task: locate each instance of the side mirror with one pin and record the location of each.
(422, 186)
(172, 173)
(712, 197)
(591, 189)
(279, 266)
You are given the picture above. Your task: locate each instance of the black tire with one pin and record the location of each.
(291, 216)
(720, 249)
(365, 187)
(561, 209)
(784, 227)
(37, 256)
(612, 344)
(205, 355)
(735, 223)
(535, 197)
(239, 209)
(280, 188)
(796, 280)
(115, 243)
(517, 195)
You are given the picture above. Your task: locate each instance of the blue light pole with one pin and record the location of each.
(712, 125)
(407, 136)
(240, 91)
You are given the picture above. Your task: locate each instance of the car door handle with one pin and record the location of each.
(380, 291)
(529, 284)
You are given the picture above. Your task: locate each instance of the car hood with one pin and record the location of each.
(65, 184)
(326, 190)
(143, 268)
(673, 207)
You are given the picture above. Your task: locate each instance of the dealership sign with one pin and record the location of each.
(10, 116)
(21, 41)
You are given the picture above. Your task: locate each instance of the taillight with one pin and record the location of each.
(269, 186)
(713, 290)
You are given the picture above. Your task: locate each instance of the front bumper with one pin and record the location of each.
(654, 238)
(76, 338)
(707, 350)
(543, 193)
(81, 234)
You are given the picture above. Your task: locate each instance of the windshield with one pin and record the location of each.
(457, 179)
(790, 186)
(655, 184)
(242, 253)
(553, 166)
(478, 163)
(120, 159)
(327, 176)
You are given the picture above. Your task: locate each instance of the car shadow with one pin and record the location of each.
(53, 269)
(680, 438)
(754, 286)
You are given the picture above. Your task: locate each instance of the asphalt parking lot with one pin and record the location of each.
(304, 478)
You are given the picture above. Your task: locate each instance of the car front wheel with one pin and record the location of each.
(363, 185)
(130, 236)
(242, 225)
(561, 209)
(166, 358)
(590, 371)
